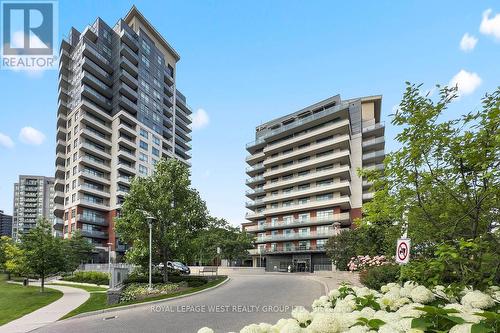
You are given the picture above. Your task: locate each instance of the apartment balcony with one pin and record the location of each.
(342, 186)
(90, 51)
(130, 39)
(102, 178)
(179, 121)
(95, 149)
(373, 128)
(61, 120)
(59, 184)
(101, 192)
(128, 92)
(64, 56)
(95, 234)
(168, 101)
(93, 204)
(342, 157)
(368, 196)
(127, 141)
(96, 220)
(89, 119)
(183, 105)
(255, 180)
(374, 157)
(57, 223)
(169, 90)
(61, 146)
(129, 67)
(255, 203)
(127, 154)
(294, 249)
(130, 168)
(127, 129)
(253, 192)
(342, 218)
(378, 167)
(64, 81)
(124, 180)
(60, 158)
(91, 67)
(95, 135)
(184, 116)
(128, 53)
(90, 33)
(309, 120)
(122, 192)
(291, 236)
(181, 152)
(342, 201)
(101, 165)
(167, 134)
(129, 79)
(253, 252)
(254, 228)
(338, 128)
(96, 84)
(96, 97)
(255, 158)
(60, 170)
(127, 104)
(342, 171)
(341, 142)
(58, 208)
(181, 142)
(254, 215)
(62, 107)
(367, 184)
(374, 144)
(168, 77)
(183, 133)
(252, 170)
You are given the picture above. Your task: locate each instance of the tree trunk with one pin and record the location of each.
(43, 283)
(165, 268)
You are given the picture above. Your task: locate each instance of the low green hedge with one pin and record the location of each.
(192, 281)
(376, 277)
(88, 277)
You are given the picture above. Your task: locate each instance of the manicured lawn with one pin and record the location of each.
(17, 301)
(97, 300)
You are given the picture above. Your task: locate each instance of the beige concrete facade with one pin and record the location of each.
(303, 180)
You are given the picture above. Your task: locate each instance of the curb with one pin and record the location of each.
(130, 306)
(325, 285)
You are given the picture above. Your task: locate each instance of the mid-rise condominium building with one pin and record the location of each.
(304, 185)
(119, 112)
(33, 199)
(5, 224)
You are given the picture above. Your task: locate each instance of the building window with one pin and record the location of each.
(145, 60)
(145, 47)
(155, 152)
(143, 157)
(144, 133)
(156, 140)
(143, 170)
(145, 86)
(143, 145)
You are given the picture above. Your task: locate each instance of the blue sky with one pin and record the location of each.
(246, 62)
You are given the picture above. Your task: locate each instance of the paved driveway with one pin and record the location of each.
(245, 299)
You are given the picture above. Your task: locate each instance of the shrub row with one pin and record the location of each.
(88, 277)
(192, 281)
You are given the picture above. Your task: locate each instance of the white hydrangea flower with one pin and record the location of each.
(415, 330)
(301, 314)
(324, 323)
(462, 328)
(345, 305)
(367, 313)
(282, 322)
(358, 329)
(422, 295)
(409, 311)
(265, 327)
(253, 328)
(347, 320)
(334, 294)
(291, 327)
(388, 329)
(477, 299)
(205, 330)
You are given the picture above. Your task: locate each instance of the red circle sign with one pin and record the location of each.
(402, 251)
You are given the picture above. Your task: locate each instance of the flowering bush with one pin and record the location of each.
(395, 308)
(136, 291)
(362, 262)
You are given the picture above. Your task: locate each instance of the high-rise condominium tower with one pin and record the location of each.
(33, 199)
(304, 186)
(119, 112)
(5, 224)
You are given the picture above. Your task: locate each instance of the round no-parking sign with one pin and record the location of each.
(403, 251)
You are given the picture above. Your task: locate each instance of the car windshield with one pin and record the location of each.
(178, 264)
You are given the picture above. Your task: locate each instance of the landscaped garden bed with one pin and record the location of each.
(98, 278)
(394, 308)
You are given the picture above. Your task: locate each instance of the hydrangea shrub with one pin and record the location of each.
(396, 308)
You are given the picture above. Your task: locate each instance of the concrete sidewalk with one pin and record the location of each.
(72, 298)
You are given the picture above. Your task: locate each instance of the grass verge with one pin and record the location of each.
(97, 300)
(17, 301)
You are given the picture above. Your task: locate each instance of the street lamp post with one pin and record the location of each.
(109, 258)
(150, 223)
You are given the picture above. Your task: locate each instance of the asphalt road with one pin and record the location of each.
(245, 299)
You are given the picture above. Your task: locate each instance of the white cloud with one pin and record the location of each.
(467, 82)
(34, 41)
(6, 141)
(31, 136)
(468, 43)
(490, 26)
(200, 119)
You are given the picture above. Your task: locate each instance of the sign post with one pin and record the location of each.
(403, 251)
